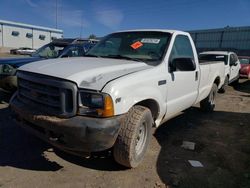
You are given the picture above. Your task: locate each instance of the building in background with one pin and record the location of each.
(15, 35)
(235, 39)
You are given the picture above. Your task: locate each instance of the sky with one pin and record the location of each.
(100, 17)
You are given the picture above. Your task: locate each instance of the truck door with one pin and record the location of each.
(234, 67)
(183, 84)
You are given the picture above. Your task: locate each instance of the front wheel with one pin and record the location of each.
(134, 137)
(208, 104)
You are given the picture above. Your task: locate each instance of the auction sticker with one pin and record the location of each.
(150, 40)
(136, 45)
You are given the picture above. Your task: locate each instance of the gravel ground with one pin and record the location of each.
(222, 145)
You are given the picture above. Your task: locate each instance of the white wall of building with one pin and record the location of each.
(10, 40)
(38, 40)
(1, 35)
(56, 35)
(39, 35)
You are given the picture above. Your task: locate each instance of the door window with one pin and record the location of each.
(182, 48)
(233, 59)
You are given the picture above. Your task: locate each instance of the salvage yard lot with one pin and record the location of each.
(222, 145)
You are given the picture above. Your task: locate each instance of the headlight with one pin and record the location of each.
(95, 104)
(8, 69)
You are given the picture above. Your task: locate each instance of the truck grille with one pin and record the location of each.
(50, 95)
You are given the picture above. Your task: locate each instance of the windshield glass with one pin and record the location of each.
(51, 50)
(213, 57)
(141, 46)
(244, 61)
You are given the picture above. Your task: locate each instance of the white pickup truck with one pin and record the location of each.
(129, 82)
(231, 61)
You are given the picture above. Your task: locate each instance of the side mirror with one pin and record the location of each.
(182, 64)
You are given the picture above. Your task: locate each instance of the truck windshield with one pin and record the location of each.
(213, 57)
(51, 50)
(142, 46)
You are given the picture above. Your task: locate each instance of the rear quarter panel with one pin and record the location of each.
(209, 72)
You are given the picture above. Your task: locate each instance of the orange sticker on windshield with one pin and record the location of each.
(136, 45)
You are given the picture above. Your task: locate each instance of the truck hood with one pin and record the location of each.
(18, 61)
(90, 73)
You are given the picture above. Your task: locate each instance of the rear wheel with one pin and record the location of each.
(208, 104)
(134, 137)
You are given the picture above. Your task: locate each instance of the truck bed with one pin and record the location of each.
(208, 70)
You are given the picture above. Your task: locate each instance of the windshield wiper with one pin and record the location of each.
(124, 57)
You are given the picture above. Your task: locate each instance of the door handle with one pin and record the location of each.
(196, 75)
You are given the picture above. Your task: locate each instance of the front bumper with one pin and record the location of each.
(8, 83)
(78, 135)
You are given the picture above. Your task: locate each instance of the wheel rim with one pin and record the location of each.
(141, 138)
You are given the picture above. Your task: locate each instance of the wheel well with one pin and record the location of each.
(217, 81)
(152, 105)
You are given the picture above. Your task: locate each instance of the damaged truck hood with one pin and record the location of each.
(86, 72)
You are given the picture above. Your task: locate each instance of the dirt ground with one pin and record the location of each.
(222, 145)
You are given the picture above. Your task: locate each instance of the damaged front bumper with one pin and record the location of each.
(78, 135)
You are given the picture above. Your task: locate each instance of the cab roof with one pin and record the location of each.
(159, 30)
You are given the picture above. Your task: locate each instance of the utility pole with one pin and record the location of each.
(81, 26)
(56, 12)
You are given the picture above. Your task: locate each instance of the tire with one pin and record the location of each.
(236, 82)
(134, 137)
(225, 85)
(208, 104)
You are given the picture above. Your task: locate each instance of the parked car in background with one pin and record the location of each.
(111, 98)
(22, 51)
(25, 51)
(58, 48)
(245, 66)
(13, 51)
(231, 61)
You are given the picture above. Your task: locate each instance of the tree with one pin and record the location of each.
(92, 36)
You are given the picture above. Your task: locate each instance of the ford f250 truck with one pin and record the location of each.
(128, 83)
